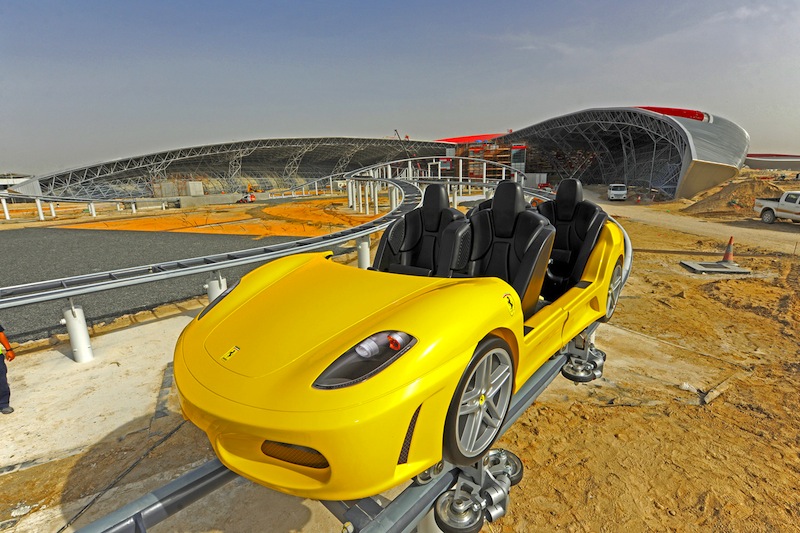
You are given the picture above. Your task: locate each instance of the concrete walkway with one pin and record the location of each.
(77, 414)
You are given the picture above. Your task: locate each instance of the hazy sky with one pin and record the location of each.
(89, 81)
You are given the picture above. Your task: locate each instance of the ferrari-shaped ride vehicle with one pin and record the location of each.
(332, 382)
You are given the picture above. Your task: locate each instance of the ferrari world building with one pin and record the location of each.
(672, 152)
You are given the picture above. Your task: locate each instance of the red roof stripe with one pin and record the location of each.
(676, 112)
(469, 139)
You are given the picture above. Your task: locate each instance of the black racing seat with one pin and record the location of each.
(412, 244)
(510, 241)
(578, 223)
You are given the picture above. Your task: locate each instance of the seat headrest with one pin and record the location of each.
(508, 202)
(434, 201)
(568, 196)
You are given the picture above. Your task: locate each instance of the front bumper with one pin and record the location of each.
(363, 445)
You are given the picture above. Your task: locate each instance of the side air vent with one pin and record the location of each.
(407, 441)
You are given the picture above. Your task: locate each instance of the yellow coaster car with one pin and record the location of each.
(331, 382)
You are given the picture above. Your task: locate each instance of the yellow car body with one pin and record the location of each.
(246, 367)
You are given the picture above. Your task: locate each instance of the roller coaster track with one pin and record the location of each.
(55, 289)
(406, 511)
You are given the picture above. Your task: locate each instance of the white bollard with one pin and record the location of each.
(78, 333)
(5, 208)
(215, 285)
(363, 253)
(52, 210)
(350, 202)
(39, 209)
(133, 207)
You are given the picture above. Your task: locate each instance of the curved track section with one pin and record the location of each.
(43, 291)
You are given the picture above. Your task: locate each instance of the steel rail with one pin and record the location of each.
(401, 515)
(43, 291)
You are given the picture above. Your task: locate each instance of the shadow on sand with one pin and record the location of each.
(154, 452)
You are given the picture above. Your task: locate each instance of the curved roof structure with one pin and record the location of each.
(265, 163)
(678, 152)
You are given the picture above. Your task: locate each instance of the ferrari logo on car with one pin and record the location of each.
(510, 303)
(230, 353)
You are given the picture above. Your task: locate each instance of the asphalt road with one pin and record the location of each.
(38, 254)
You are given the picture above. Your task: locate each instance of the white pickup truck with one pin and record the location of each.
(771, 209)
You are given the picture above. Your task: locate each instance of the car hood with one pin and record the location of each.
(303, 312)
(266, 343)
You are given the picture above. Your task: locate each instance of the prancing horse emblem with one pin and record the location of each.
(510, 303)
(230, 353)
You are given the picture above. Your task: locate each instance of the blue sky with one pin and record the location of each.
(83, 82)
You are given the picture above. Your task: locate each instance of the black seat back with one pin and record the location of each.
(412, 244)
(512, 242)
(578, 224)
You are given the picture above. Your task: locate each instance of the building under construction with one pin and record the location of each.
(671, 152)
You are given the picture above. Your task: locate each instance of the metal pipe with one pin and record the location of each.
(215, 285)
(363, 253)
(39, 208)
(78, 333)
(164, 502)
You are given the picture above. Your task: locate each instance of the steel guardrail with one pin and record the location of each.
(43, 291)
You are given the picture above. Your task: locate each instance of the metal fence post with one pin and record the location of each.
(39, 208)
(363, 253)
(78, 333)
(215, 285)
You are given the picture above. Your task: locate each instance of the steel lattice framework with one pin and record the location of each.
(611, 146)
(266, 163)
(634, 146)
(677, 154)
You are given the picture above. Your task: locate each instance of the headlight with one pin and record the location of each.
(217, 300)
(365, 359)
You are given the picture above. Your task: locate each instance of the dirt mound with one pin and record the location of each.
(733, 197)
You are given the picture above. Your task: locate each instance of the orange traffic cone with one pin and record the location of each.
(728, 256)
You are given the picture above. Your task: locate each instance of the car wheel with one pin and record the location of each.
(768, 216)
(480, 403)
(614, 289)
